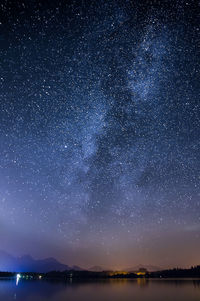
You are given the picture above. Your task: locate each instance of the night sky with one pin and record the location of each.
(99, 135)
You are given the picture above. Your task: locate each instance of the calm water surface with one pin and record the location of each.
(122, 290)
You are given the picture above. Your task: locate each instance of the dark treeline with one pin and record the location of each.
(14, 274)
(193, 272)
(76, 274)
(7, 274)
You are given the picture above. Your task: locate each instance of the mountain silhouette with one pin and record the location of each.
(27, 263)
(96, 269)
(149, 268)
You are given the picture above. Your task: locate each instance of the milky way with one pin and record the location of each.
(99, 133)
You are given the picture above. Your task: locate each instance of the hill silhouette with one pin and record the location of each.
(27, 263)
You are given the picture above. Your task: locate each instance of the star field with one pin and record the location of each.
(99, 133)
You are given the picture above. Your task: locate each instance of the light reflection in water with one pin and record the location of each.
(120, 289)
(17, 278)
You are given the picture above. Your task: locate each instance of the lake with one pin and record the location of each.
(119, 290)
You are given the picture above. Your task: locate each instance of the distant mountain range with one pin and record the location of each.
(96, 268)
(26, 264)
(149, 268)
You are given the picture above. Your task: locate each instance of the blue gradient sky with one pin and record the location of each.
(99, 133)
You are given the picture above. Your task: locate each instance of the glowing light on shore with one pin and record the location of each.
(17, 278)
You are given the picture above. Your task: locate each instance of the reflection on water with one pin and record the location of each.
(17, 279)
(115, 289)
